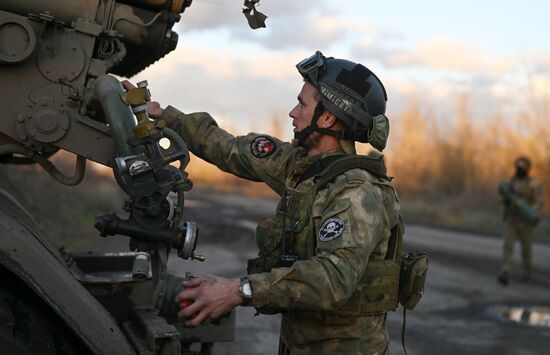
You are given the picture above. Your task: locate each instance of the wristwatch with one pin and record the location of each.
(245, 290)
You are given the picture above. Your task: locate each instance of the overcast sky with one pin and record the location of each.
(429, 51)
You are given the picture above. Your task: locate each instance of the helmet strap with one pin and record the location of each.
(302, 135)
(343, 135)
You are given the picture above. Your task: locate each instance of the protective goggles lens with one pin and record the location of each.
(311, 67)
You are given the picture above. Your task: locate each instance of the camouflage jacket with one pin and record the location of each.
(331, 266)
(527, 190)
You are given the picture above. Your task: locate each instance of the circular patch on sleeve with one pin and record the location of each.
(262, 146)
(331, 229)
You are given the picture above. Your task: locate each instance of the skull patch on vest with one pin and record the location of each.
(262, 146)
(331, 229)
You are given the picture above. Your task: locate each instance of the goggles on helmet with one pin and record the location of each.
(310, 68)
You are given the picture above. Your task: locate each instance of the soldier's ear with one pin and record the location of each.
(326, 120)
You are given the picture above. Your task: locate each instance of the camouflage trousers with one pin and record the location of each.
(366, 335)
(283, 350)
(523, 232)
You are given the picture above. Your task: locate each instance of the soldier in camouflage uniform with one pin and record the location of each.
(522, 205)
(315, 254)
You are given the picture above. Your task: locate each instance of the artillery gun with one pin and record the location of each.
(57, 94)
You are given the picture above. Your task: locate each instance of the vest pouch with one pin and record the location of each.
(296, 213)
(413, 278)
(376, 294)
(380, 287)
(268, 239)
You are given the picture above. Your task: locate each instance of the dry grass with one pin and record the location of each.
(468, 157)
(447, 172)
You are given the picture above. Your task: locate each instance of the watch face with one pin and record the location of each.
(247, 289)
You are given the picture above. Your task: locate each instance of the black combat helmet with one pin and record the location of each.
(524, 159)
(353, 94)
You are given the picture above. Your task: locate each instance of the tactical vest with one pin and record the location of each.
(292, 236)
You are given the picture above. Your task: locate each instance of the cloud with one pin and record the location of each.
(244, 84)
(485, 95)
(369, 50)
(440, 54)
(308, 31)
(212, 14)
(229, 64)
(304, 24)
(201, 58)
(401, 85)
(244, 91)
(439, 70)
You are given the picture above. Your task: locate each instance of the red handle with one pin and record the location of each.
(186, 303)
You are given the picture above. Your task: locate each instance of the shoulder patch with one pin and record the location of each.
(331, 229)
(262, 146)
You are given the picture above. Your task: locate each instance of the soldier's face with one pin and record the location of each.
(522, 168)
(302, 113)
(522, 164)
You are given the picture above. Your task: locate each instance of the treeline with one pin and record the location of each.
(467, 156)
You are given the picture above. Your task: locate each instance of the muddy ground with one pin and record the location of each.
(456, 315)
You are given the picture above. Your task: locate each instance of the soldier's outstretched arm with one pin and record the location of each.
(254, 157)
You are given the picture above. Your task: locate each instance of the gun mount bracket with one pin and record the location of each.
(46, 122)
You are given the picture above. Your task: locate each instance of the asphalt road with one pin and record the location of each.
(455, 316)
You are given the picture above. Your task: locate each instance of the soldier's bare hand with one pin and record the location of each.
(154, 109)
(211, 297)
(127, 85)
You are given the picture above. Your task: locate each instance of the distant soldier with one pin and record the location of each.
(522, 199)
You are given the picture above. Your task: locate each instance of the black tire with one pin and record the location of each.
(28, 327)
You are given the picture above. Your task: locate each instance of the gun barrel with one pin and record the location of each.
(63, 10)
(70, 10)
(175, 6)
